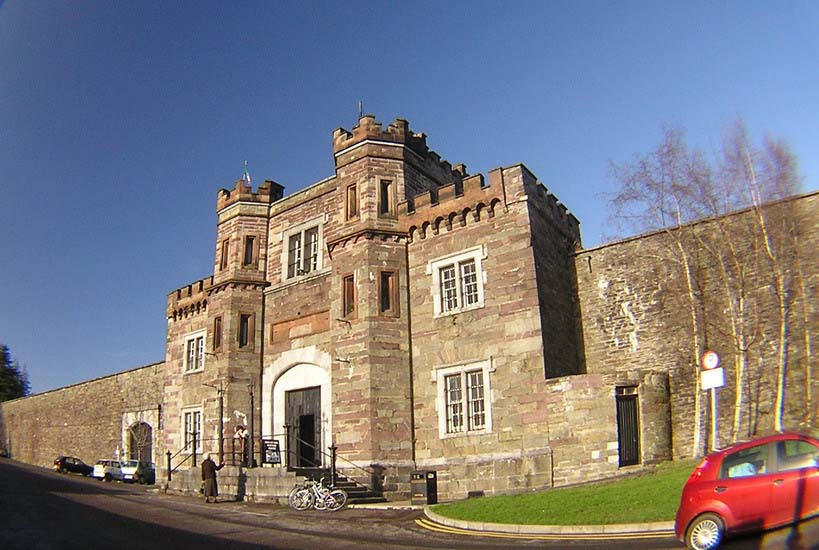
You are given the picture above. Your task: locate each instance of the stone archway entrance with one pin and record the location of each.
(140, 442)
(298, 409)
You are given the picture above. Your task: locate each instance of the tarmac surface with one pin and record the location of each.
(664, 528)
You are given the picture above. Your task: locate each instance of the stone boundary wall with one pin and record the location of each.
(236, 483)
(85, 420)
(635, 317)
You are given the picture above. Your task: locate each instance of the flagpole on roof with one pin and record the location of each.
(246, 175)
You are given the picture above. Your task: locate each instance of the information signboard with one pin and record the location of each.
(270, 451)
(714, 378)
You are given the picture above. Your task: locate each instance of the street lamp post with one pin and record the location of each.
(252, 431)
(220, 426)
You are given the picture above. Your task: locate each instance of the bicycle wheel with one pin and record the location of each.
(300, 499)
(336, 499)
(320, 499)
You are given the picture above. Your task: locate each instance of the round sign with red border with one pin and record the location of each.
(710, 360)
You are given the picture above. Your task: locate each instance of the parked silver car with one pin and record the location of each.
(108, 470)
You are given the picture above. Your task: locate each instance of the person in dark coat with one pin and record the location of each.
(209, 488)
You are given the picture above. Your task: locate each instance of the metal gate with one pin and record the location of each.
(628, 429)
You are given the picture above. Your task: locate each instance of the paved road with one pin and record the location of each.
(40, 509)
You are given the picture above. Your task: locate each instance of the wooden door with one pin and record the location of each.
(303, 415)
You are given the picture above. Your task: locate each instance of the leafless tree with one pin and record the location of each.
(770, 177)
(728, 227)
(654, 195)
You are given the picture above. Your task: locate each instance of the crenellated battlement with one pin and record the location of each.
(556, 211)
(458, 203)
(369, 128)
(267, 193)
(473, 199)
(188, 299)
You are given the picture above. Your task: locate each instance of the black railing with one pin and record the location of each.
(190, 447)
(294, 460)
(293, 457)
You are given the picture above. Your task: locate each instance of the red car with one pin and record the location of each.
(752, 486)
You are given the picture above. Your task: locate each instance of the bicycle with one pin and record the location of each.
(314, 494)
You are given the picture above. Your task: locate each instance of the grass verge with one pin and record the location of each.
(647, 497)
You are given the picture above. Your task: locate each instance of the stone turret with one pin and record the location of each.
(369, 129)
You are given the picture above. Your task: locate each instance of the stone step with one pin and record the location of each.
(365, 500)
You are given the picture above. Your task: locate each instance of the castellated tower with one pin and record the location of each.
(377, 170)
(214, 342)
(401, 313)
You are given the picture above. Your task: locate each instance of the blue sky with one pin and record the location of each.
(119, 122)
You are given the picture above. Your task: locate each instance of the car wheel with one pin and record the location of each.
(107, 477)
(63, 471)
(705, 532)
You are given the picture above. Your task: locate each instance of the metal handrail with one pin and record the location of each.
(290, 450)
(369, 473)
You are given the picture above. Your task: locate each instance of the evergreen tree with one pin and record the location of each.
(13, 379)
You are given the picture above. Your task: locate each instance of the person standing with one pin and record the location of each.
(240, 439)
(209, 487)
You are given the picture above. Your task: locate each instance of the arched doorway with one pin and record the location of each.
(302, 414)
(140, 442)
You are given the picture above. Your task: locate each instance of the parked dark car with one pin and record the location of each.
(752, 486)
(65, 464)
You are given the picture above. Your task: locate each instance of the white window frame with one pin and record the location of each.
(195, 412)
(199, 340)
(301, 230)
(440, 376)
(456, 261)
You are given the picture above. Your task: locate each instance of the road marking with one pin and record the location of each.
(437, 527)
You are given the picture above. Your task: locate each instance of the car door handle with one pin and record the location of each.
(720, 489)
(779, 482)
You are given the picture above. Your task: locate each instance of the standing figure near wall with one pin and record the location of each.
(240, 444)
(209, 486)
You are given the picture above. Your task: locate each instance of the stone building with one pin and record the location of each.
(406, 315)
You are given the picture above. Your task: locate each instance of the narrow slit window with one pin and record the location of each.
(217, 334)
(388, 296)
(249, 256)
(386, 201)
(349, 295)
(244, 330)
(352, 202)
(223, 260)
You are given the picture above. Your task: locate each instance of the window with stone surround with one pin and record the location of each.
(457, 281)
(223, 259)
(192, 428)
(349, 297)
(217, 333)
(386, 198)
(351, 202)
(301, 254)
(388, 293)
(463, 399)
(194, 359)
(250, 256)
(246, 330)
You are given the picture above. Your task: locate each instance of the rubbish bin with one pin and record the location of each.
(424, 487)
